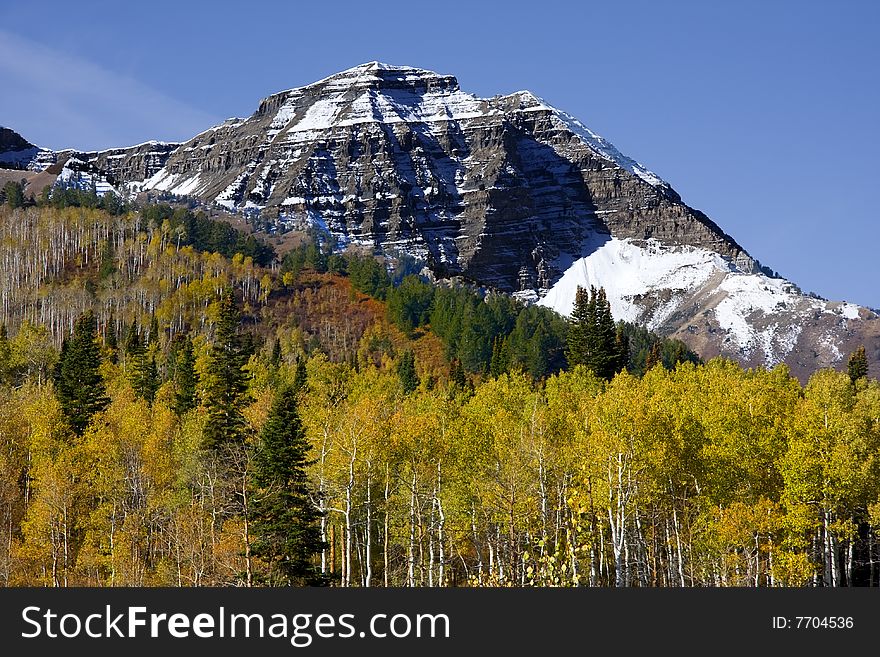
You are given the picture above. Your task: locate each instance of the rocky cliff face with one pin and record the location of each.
(507, 192)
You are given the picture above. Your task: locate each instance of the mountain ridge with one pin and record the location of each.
(508, 192)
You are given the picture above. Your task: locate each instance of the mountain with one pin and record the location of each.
(507, 192)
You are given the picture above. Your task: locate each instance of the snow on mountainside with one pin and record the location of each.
(758, 318)
(507, 192)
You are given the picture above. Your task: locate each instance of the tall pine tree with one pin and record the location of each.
(593, 339)
(284, 519)
(226, 389)
(186, 379)
(857, 367)
(78, 381)
(143, 373)
(406, 372)
(582, 321)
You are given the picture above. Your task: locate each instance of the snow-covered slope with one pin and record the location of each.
(687, 291)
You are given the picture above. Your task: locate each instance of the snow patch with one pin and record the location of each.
(849, 310)
(187, 187)
(629, 273)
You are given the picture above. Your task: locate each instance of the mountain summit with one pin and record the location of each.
(507, 192)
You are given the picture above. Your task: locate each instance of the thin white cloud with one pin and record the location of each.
(61, 101)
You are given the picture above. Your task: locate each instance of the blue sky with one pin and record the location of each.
(762, 114)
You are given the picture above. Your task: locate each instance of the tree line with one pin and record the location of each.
(261, 467)
(224, 443)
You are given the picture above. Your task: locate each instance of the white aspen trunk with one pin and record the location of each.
(322, 500)
(491, 558)
(830, 575)
(678, 550)
(368, 538)
(849, 563)
(346, 569)
(442, 524)
(498, 553)
(642, 562)
(385, 528)
(477, 547)
(441, 520)
(617, 518)
(835, 561)
(249, 577)
(543, 493)
(431, 545)
(411, 549)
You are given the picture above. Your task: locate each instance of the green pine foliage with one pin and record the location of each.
(226, 389)
(501, 359)
(275, 358)
(857, 366)
(133, 344)
(145, 376)
(185, 378)
(79, 385)
(13, 193)
(593, 338)
(583, 318)
(196, 229)
(536, 345)
(111, 342)
(406, 372)
(70, 197)
(368, 275)
(409, 304)
(284, 519)
(647, 349)
(153, 333)
(307, 255)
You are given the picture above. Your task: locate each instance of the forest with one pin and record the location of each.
(179, 407)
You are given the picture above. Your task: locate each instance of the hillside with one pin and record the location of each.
(449, 441)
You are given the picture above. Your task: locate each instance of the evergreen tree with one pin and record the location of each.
(226, 389)
(133, 344)
(458, 380)
(275, 358)
(14, 194)
(537, 360)
(300, 377)
(78, 381)
(593, 338)
(605, 359)
(654, 357)
(500, 362)
(621, 350)
(185, 378)
(583, 319)
(153, 337)
(409, 304)
(406, 372)
(284, 520)
(857, 367)
(145, 376)
(110, 340)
